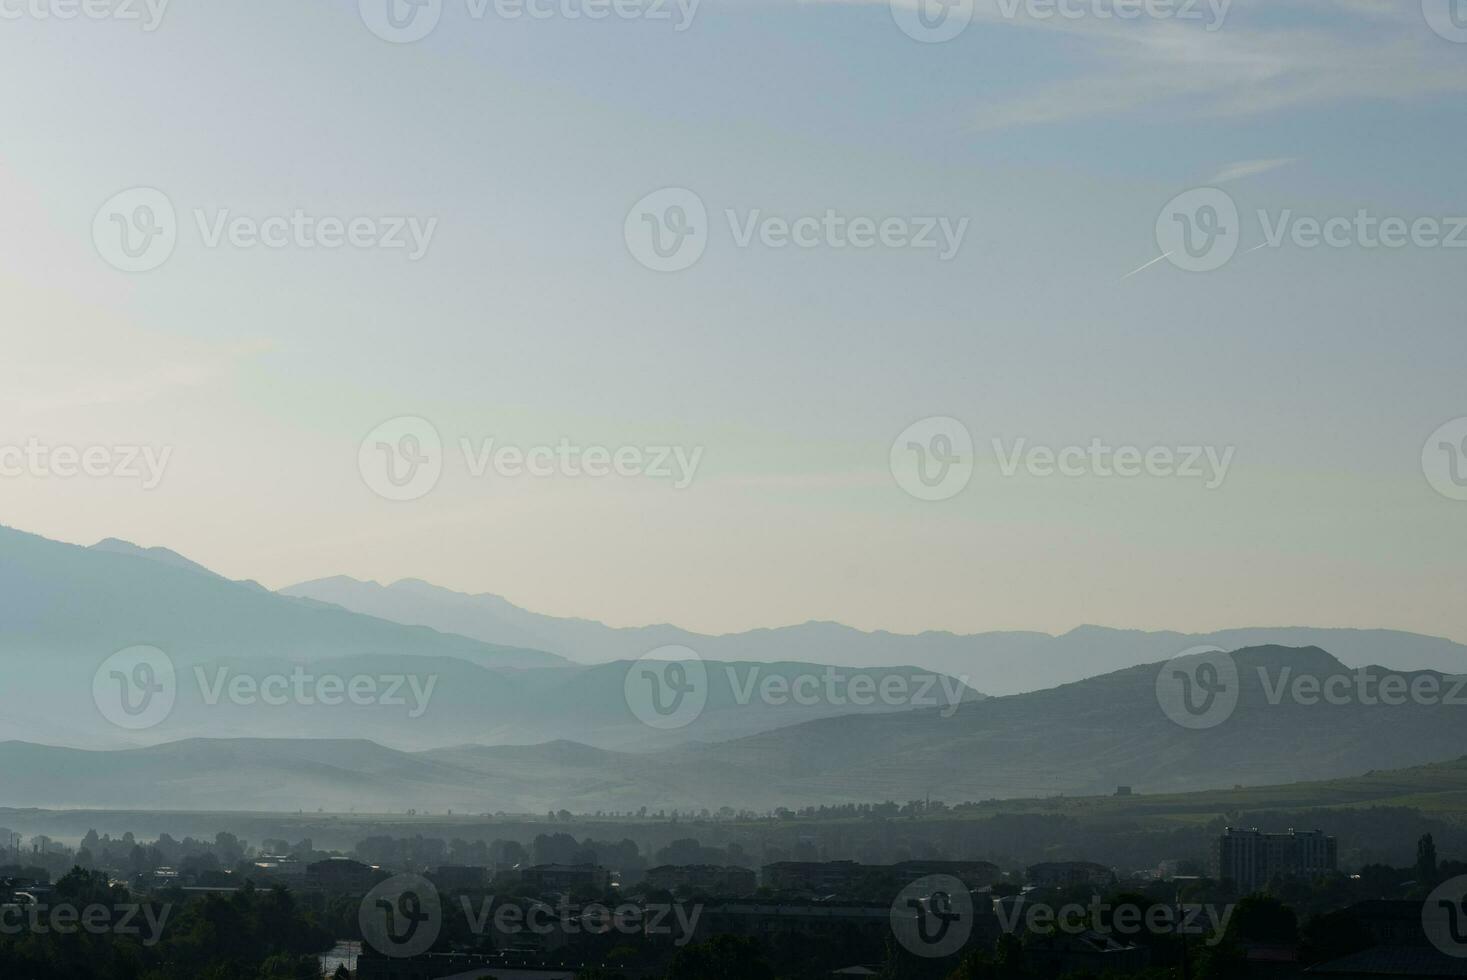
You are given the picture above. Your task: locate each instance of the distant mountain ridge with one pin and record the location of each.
(997, 663)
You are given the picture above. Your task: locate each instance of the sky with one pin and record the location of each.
(534, 158)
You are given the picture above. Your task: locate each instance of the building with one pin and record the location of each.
(824, 921)
(1062, 874)
(342, 876)
(974, 874)
(566, 877)
(1401, 947)
(1088, 952)
(460, 877)
(841, 877)
(1252, 858)
(808, 920)
(813, 877)
(708, 879)
(280, 869)
(372, 965)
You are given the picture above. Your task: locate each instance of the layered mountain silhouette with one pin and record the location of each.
(65, 609)
(995, 662)
(63, 601)
(1078, 739)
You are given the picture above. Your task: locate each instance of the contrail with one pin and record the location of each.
(1145, 267)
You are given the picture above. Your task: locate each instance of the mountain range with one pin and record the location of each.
(489, 722)
(993, 662)
(1080, 739)
(65, 609)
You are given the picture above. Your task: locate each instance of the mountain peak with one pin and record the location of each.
(166, 556)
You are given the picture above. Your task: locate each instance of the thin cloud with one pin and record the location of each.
(1247, 168)
(1256, 61)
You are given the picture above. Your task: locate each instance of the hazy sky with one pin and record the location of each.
(530, 319)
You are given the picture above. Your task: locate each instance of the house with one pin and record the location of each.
(1087, 952)
(342, 876)
(566, 877)
(709, 879)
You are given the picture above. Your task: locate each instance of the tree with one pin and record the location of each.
(1426, 861)
(1264, 919)
(722, 958)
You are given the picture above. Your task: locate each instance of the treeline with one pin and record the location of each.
(249, 935)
